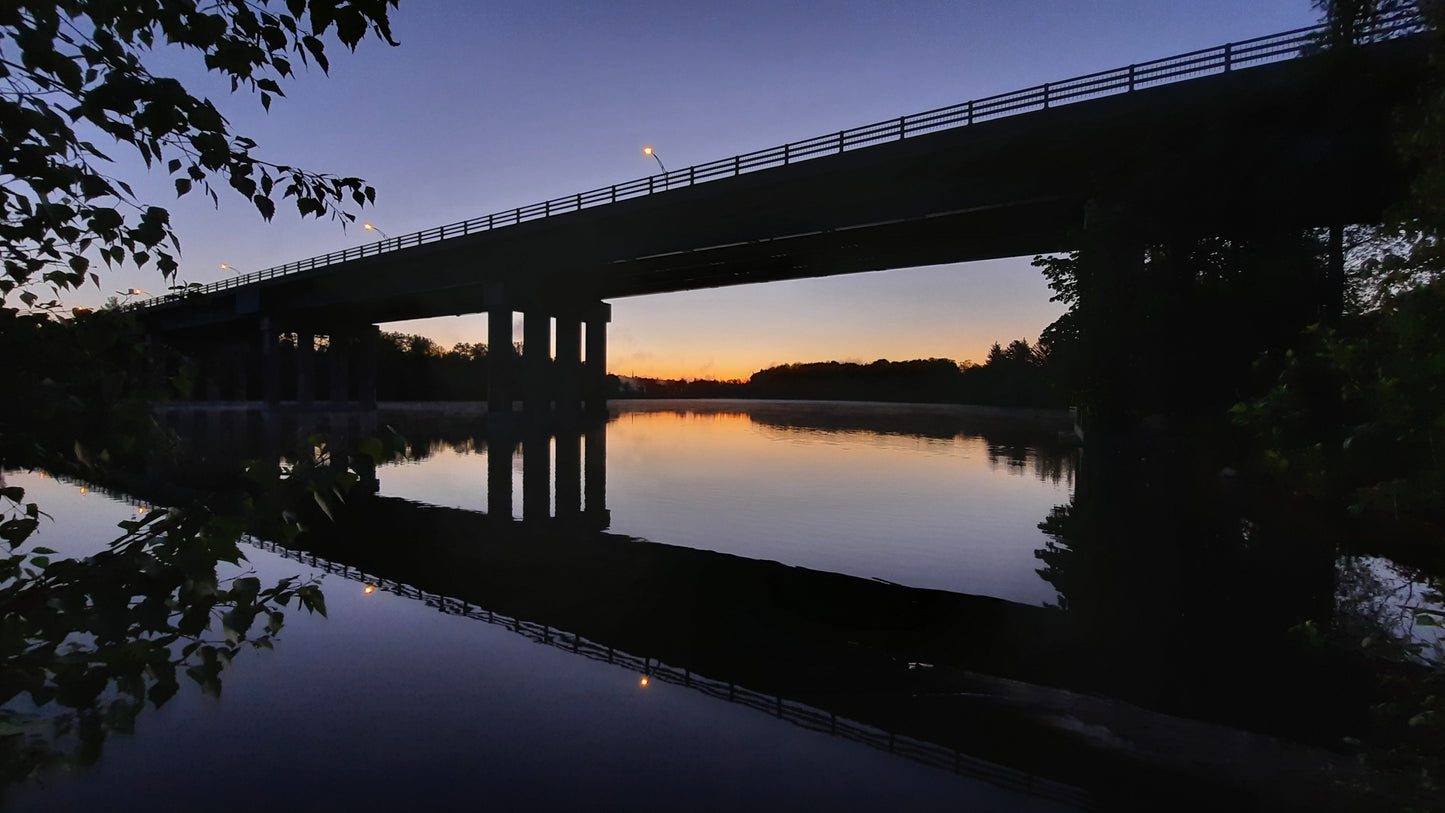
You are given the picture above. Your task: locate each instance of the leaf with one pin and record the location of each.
(183, 185)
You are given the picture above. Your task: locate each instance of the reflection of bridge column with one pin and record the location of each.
(499, 350)
(536, 357)
(568, 379)
(569, 474)
(305, 368)
(595, 507)
(595, 387)
(499, 477)
(536, 476)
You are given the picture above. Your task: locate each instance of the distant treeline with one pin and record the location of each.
(415, 368)
(1016, 375)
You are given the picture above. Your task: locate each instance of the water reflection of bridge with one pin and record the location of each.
(652, 669)
(564, 467)
(563, 477)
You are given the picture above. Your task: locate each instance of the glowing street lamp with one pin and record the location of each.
(370, 227)
(225, 267)
(653, 153)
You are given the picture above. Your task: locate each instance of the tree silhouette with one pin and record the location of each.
(74, 66)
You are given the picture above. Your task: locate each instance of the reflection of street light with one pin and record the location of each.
(649, 151)
(370, 227)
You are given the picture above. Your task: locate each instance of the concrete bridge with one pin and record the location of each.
(1257, 137)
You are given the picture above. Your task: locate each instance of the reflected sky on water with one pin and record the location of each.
(953, 504)
(390, 702)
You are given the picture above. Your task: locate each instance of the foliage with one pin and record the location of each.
(1353, 413)
(1381, 450)
(79, 382)
(411, 368)
(1132, 341)
(104, 636)
(73, 70)
(1350, 22)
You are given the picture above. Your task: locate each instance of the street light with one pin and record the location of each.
(649, 151)
(225, 267)
(370, 227)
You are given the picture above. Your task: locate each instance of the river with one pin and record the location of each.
(698, 605)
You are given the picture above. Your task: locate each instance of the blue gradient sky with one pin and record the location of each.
(487, 106)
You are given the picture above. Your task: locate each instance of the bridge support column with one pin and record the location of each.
(499, 476)
(270, 364)
(211, 372)
(339, 355)
(240, 362)
(1112, 299)
(536, 358)
(568, 379)
(595, 376)
(306, 368)
(499, 351)
(366, 362)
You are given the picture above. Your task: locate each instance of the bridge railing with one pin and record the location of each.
(1181, 67)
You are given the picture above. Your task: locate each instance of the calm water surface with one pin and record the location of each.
(391, 702)
(924, 496)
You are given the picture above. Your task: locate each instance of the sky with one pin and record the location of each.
(486, 106)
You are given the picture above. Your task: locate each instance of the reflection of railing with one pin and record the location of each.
(799, 714)
(1222, 59)
(104, 491)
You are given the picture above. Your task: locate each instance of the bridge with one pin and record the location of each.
(1261, 136)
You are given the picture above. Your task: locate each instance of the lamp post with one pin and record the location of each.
(122, 298)
(666, 182)
(372, 227)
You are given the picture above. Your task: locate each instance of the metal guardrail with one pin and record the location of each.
(1181, 67)
(799, 714)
